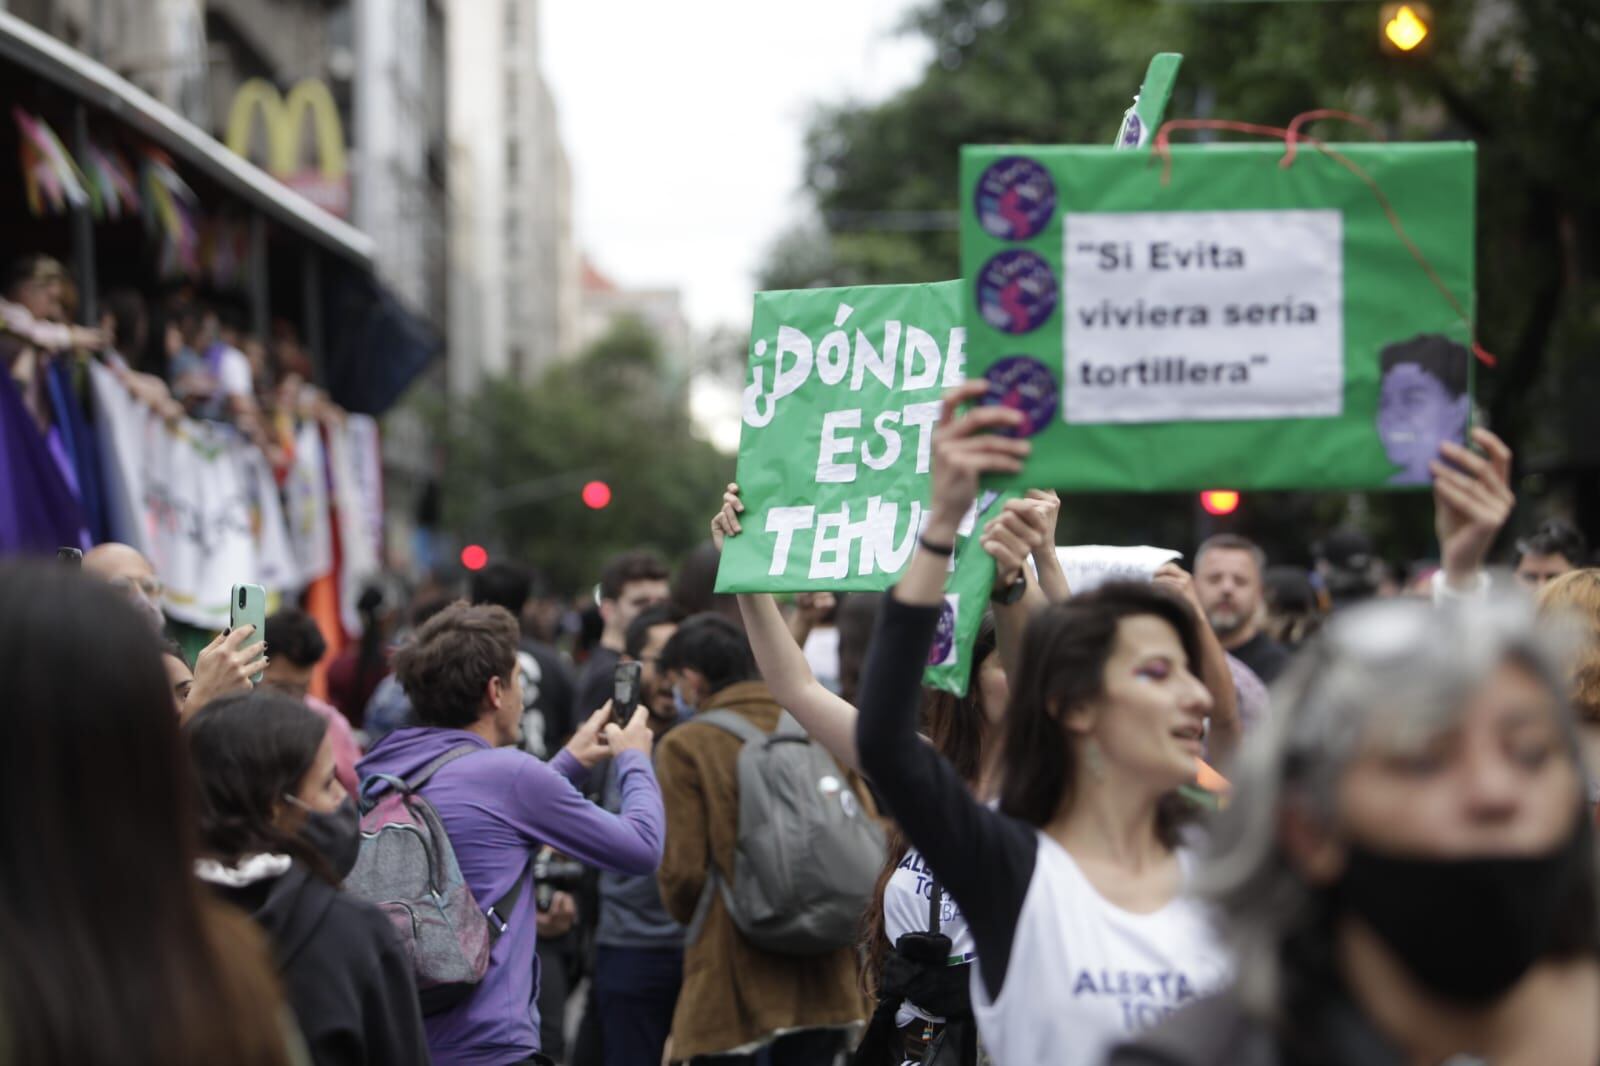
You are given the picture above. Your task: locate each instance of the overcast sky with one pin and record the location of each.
(684, 122)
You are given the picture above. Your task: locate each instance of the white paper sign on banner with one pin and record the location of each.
(1088, 566)
(366, 461)
(306, 506)
(196, 499)
(358, 563)
(1181, 316)
(123, 425)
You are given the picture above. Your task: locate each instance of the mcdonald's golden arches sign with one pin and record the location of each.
(325, 179)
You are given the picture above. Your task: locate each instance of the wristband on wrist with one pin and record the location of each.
(946, 550)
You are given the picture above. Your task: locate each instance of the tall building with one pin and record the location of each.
(514, 266)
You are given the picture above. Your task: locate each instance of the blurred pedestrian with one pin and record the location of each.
(114, 952)
(1555, 548)
(1228, 576)
(629, 583)
(297, 647)
(1573, 599)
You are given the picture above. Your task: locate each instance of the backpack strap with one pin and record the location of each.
(747, 732)
(499, 913)
(415, 782)
(737, 724)
(935, 905)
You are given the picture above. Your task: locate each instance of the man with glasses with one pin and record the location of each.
(639, 948)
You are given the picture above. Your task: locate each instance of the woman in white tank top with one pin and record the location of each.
(1074, 888)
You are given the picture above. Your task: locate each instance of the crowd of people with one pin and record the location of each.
(740, 832)
(180, 355)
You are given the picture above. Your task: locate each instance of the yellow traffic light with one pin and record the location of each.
(1405, 26)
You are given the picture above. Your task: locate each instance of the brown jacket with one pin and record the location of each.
(735, 997)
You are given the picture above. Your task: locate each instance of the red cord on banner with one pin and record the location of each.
(1292, 137)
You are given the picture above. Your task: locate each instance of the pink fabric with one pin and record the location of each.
(345, 749)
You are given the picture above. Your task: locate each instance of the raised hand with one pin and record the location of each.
(1472, 499)
(725, 523)
(964, 451)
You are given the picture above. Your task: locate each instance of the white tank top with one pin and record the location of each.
(905, 910)
(1085, 974)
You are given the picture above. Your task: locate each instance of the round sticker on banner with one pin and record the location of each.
(1132, 135)
(944, 635)
(1023, 384)
(1017, 292)
(1015, 198)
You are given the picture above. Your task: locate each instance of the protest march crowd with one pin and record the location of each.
(783, 849)
(1119, 811)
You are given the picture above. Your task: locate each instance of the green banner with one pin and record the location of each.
(841, 399)
(1245, 324)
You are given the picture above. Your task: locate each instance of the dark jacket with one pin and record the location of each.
(346, 976)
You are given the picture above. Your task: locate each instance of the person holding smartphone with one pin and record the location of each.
(638, 968)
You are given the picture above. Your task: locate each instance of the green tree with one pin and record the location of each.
(1516, 78)
(518, 456)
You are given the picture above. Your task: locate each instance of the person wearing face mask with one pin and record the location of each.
(1406, 871)
(278, 834)
(297, 647)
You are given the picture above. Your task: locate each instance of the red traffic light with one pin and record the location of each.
(1219, 501)
(474, 557)
(597, 495)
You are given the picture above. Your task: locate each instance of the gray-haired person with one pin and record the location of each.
(1406, 872)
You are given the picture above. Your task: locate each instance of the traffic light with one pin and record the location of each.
(1219, 502)
(597, 495)
(1404, 28)
(474, 557)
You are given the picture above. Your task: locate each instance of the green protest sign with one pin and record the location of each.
(1243, 323)
(842, 394)
(966, 599)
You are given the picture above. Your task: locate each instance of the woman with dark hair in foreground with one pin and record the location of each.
(113, 952)
(1073, 888)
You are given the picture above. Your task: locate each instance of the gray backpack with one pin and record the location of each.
(807, 857)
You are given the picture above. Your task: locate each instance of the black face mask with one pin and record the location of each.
(1467, 929)
(335, 835)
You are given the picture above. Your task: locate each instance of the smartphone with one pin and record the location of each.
(69, 556)
(248, 606)
(624, 692)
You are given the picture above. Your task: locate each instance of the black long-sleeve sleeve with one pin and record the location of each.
(984, 859)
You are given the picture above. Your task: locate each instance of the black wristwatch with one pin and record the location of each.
(1011, 592)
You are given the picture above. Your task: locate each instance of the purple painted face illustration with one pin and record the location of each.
(1416, 414)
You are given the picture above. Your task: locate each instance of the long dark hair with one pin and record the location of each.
(114, 952)
(249, 751)
(960, 731)
(1062, 667)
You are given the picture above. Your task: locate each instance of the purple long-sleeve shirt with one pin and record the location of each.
(498, 808)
